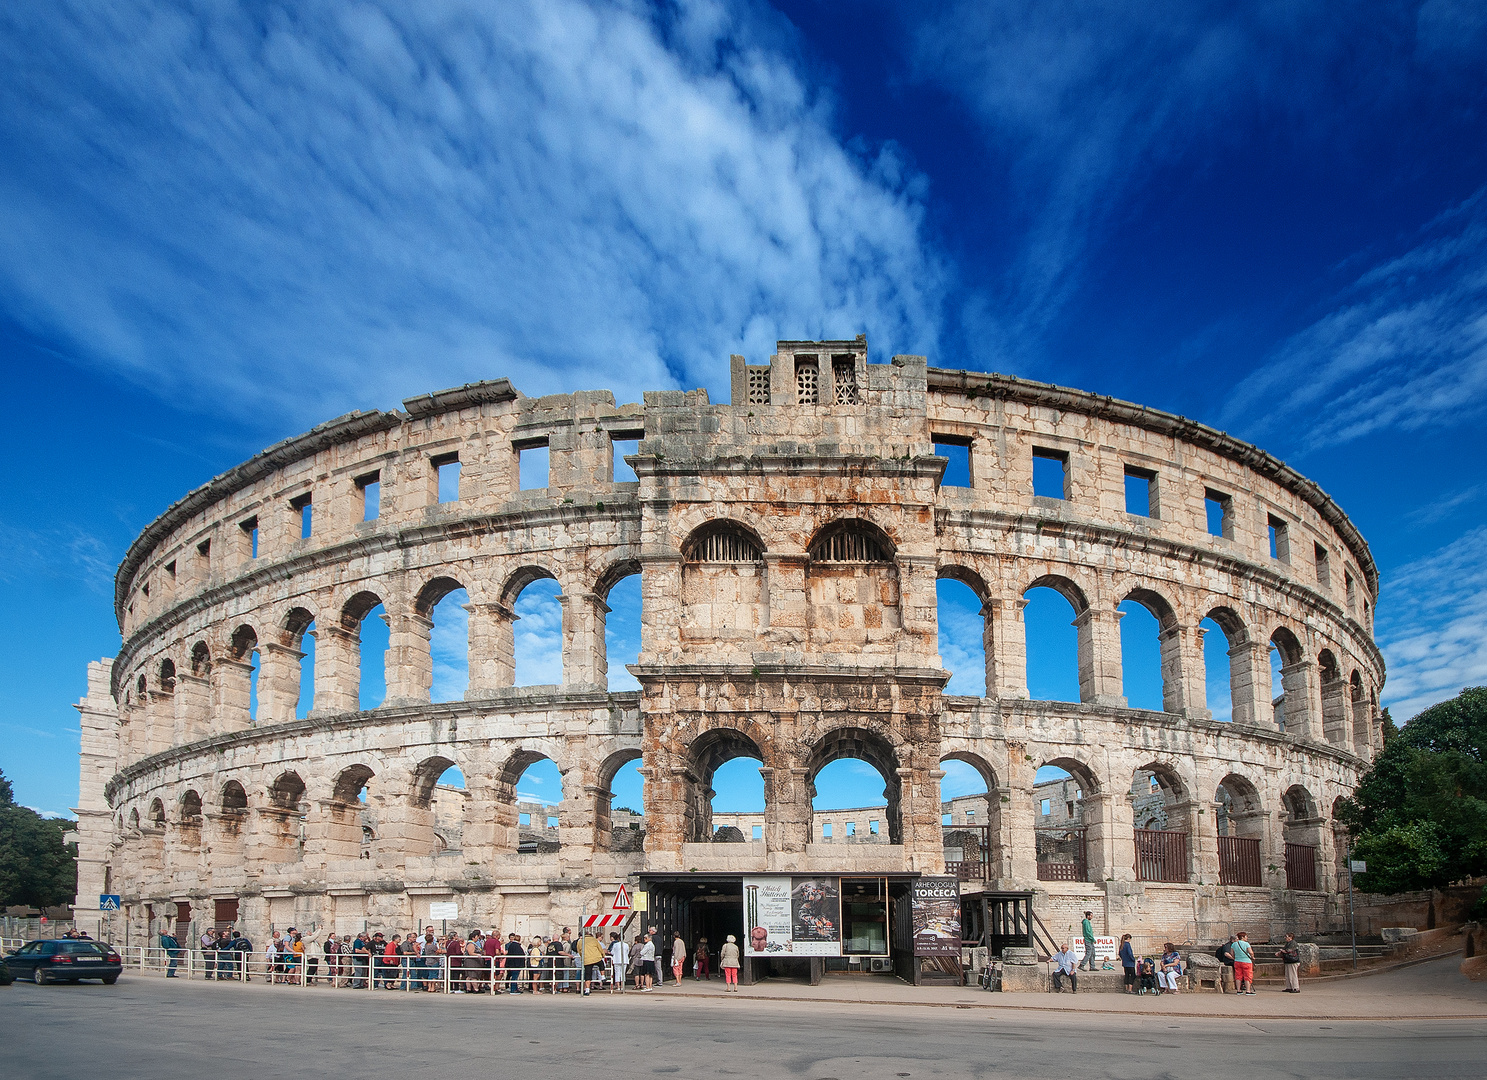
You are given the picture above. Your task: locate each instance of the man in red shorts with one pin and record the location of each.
(1244, 964)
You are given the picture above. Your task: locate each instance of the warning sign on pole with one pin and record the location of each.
(622, 900)
(619, 911)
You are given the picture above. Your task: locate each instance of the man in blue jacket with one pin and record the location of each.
(172, 949)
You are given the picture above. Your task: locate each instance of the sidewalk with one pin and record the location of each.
(1433, 989)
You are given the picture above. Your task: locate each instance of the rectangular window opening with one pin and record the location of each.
(1050, 474)
(1220, 508)
(945, 819)
(1280, 542)
(958, 472)
(302, 505)
(758, 833)
(250, 536)
(447, 476)
(970, 815)
(851, 828)
(369, 487)
(1047, 807)
(524, 819)
(826, 831)
(1324, 570)
(1141, 490)
(844, 379)
(758, 385)
(807, 381)
(170, 568)
(532, 465)
(872, 827)
(1352, 591)
(552, 821)
(623, 444)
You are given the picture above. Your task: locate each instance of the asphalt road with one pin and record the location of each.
(151, 1028)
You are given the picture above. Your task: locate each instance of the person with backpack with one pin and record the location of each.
(1225, 953)
(361, 961)
(237, 952)
(1290, 955)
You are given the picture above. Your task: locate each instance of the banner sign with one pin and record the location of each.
(1106, 948)
(934, 907)
(438, 910)
(792, 916)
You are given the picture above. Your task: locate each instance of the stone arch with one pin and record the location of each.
(434, 590)
(201, 660)
(242, 642)
(604, 831)
(157, 813)
(140, 686)
(628, 604)
(1334, 699)
(1164, 853)
(973, 581)
(1239, 663)
(437, 610)
(523, 576)
(851, 583)
(724, 583)
(1291, 707)
(134, 818)
(287, 792)
(981, 847)
(505, 795)
(863, 745)
(1239, 825)
(1069, 843)
(1169, 644)
(346, 694)
(296, 621)
(425, 837)
(705, 754)
(1065, 587)
(347, 819)
(233, 799)
(166, 677)
(511, 591)
(723, 540)
(190, 807)
(1081, 652)
(1301, 831)
(851, 540)
(351, 782)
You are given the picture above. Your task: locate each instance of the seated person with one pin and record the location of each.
(1148, 976)
(1170, 969)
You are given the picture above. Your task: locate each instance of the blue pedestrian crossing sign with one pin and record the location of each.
(108, 901)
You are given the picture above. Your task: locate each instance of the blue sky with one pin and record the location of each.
(221, 225)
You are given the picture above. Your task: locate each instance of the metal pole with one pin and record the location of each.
(1352, 924)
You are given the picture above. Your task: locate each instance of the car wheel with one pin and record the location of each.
(109, 980)
(38, 976)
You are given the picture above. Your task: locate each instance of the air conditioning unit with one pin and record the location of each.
(879, 963)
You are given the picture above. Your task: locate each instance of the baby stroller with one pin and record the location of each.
(1146, 973)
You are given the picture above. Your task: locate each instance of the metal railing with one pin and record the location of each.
(1062, 854)
(407, 974)
(974, 847)
(1301, 867)
(1239, 861)
(1161, 855)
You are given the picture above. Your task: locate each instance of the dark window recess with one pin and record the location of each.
(958, 471)
(447, 477)
(533, 465)
(1280, 540)
(850, 545)
(1352, 590)
(301, 505)
(1141, 491)
(170, 568)
(1050, 474)
(725, 545)
(1220, 509)
(844, 379)
(250, 535)
(1324, 570)
(370, 489)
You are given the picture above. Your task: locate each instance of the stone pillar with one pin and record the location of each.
(193, 708)
(1300, 710)
(337, 670)
(583, 639)
(1203, 849)
(232, 690)
(1184, 675)
(278, 682)
(1249, 675)
(1335, 712)
(919, 812)
(1006, 649)
(492, 649)
(1118, 843)
(97, 763)
(408, 665)
(1099, 657)
(1272, 848)
(1020, 842)
(787, 814)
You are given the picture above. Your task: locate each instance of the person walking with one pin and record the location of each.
(701, 961)
(172, 949)
(1087, 928)
(1290, 955)
(728, 961)
(1066, 962)
(1244, 964)
(1128, 962)
(1225, 953)
(678, 957)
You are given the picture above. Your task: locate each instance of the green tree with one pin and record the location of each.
(38, 862)
(1419, 817)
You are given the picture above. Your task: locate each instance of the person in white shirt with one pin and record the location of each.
(647, 963)
(1065, 961)
(619, 956)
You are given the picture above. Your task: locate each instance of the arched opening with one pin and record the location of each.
(1361, 715)
(287, 792)
(191, 808)
(1301, 827)
(1149, 646)
(366, 618)
(529, 796)
(134, 820)
(538, 634)
(1223, 633)
(1161, 811)
(1239, 820)
(852, 582)
(350, 823)
(299, 635)
(619, 811)
(352, 784)
(287, 808)
(1066, 821)
(1287, 682)
(1052, 640)
(234, 798)
(1334, 699)
(853, 769)
(243, 696)
(201, 660)
(728, 797)
(167, 679)
(620, 628)
(970, 820)
(963, 639)
(725, 596)
(446, 605)
(157, 814)
(437, 808)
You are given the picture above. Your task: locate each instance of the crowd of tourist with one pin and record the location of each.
(473, 963)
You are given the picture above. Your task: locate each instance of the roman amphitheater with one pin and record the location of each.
(789, 547)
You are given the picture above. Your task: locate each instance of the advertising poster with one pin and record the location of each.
(934, 907)
(767, 916)
(816, 916)
(1106, 948)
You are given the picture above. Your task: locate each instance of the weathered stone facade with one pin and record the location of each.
(789, 546)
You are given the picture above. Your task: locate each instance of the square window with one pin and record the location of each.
(302, 506)
(623, 445)
(826, 831)
(447, 477)
(1047, 807)
(552, 821)
(1220, 511)
(1050, 474)
(872, 827)
(1324, 568)
(851, 828)
(250, 536)
(370, 489)
(532, 465)
(945, 819)
(1280, 541)
(758, 832)
(970, 815)
(958, 472)
(1141, 492)
(524, 819)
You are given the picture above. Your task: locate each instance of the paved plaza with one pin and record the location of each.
(1424, 1020)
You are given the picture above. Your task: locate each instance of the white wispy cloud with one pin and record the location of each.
(58, 551)
(539, 635)
(1432, 626)
(449, 647)
(1404, 346)
(305, 209)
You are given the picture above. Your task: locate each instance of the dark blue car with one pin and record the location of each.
(65, 961)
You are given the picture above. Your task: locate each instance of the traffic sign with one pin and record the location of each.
(108, 901)
(621, 900)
